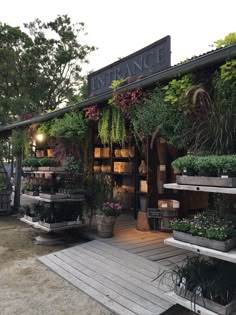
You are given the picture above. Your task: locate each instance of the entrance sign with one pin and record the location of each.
(144, 62)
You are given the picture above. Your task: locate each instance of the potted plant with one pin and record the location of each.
(106, 217)
(47, 164)
(205, 282)
(206, 229)
(30, 164)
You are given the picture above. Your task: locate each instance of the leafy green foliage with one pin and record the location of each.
(40, 66)
(19, 139)
(229, 39)
(73, 126)
(34, 162)
(210, 165)
(47, 161)
(228, 70)
(176, 88)
(74, 166)
(155, 112)
(208, 225)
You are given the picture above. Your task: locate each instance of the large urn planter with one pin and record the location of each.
(105, 225)
(223, 246)
(206, 181)
(206, 303)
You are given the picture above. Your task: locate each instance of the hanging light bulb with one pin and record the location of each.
(39, 137)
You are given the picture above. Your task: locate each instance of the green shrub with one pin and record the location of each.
(46, 161)
(31, 162)
(185, 163)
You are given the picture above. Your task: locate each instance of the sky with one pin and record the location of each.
(119, 28)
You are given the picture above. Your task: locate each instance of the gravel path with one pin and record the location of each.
(29, 288)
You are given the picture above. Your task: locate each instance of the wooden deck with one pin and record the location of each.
(120, 272)
(149, 245)
(121, 281)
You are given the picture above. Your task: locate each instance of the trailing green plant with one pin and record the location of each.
(207, 224)
(73, 126)
(155, 113)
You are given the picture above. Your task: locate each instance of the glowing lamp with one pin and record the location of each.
(39, 137)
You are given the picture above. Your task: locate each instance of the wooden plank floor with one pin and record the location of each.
(149, 245)
(120, 280)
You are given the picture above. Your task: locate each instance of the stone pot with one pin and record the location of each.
(105, 225)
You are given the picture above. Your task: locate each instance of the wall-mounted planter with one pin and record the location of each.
(208, 304)
(206, 181)
(223, 246)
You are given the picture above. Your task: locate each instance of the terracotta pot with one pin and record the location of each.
(117, 153)
(124, 152)
(40, 153)
(105, 225)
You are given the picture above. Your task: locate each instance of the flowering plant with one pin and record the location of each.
(110, 208)
(92, 112)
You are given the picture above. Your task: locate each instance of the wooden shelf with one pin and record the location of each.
(126, 174)
(227, 256)
(174, 298)
(44, 228)
(221, 190)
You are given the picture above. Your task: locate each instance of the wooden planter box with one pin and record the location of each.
(53, 225)
(223, 246)
(208, 304)
(31, 193)
(31, 219)
(206, 181)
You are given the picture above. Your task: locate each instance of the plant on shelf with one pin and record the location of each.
(205, 282)
(208, 225)
(185, 164)
(46, 161)
(31, 162)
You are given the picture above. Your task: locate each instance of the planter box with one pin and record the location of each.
(51, 169)
(206, 181)
(208, 304)
(31, 219)
(31, 193)
(53, 196)
(53, 225)
(223, 246)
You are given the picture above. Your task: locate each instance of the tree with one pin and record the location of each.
(229, 39)
(40, 66)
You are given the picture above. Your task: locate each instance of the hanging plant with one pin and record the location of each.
(104, 126)
(92, 113)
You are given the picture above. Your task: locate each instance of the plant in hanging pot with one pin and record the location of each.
(106, 217)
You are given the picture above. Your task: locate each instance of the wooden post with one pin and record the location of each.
(17, 181)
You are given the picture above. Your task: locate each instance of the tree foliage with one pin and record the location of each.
(40, 66)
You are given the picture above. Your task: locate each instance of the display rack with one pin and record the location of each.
(227, 256)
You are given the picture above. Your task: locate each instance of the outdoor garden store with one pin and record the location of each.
(156, 138)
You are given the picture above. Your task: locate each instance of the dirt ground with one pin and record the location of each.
(29, 288)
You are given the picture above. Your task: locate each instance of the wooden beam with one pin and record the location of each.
(17, 181)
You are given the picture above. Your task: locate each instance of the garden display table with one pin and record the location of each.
(227, 256)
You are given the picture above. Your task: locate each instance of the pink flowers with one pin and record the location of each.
(92, 112)
(111, 208)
